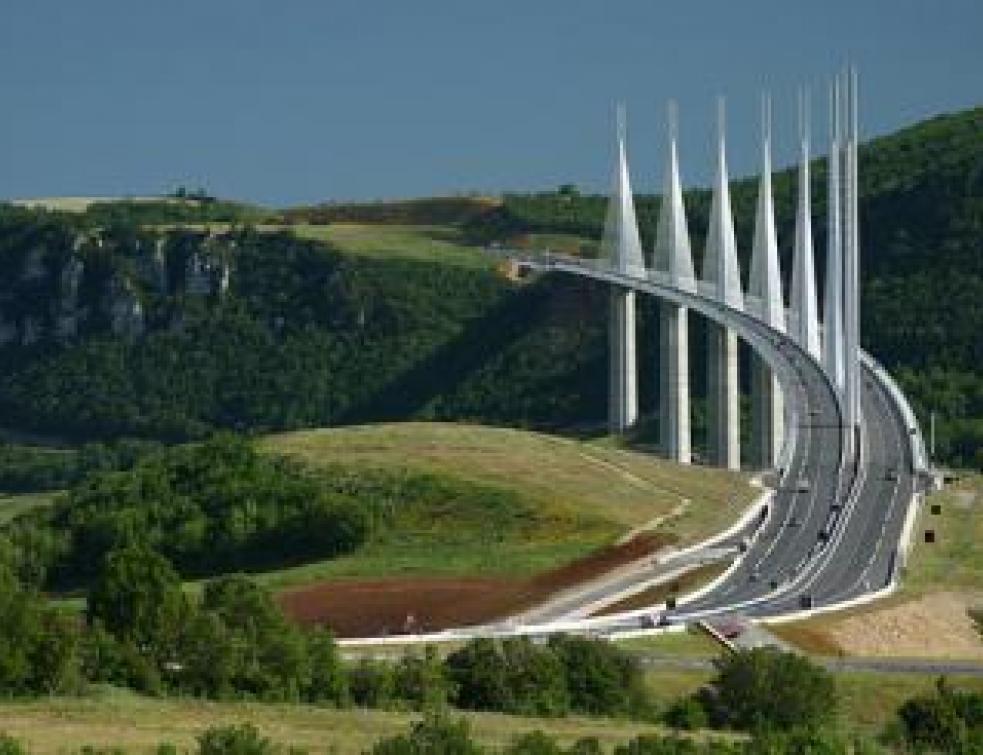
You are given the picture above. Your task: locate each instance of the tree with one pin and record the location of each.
(421, 680)
(371, 684)
(328, 682)
(137, 597)
(765, 689)
(601, 678)
(244, 739)
(270, 658)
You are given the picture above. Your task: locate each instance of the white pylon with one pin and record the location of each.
(803, 305)
(622, 247)
(720, 269)
(673, 255)
(720, 266)
(673, 258)
(765, 294)
(851, 254)
(833, 295)
(765, 282)
(621, 244)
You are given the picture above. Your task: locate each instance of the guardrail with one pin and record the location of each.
(917, 442)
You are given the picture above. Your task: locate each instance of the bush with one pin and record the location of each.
(11, 746)
(370, 684)
(436, 734)
(244, 739)
(422, 681)
(137, 597)
(533, 743)
(687, 714)
(949, 720)
(511, 676)
(765, 689)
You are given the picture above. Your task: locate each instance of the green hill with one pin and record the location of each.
(115, 322)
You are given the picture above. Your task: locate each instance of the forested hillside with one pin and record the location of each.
(115, 323)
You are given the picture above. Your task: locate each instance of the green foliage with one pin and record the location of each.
(687, 714)
(31, 468)
(949, 721)
(762, 689)
(436, 734)
(511, 676)
(209, 508)
(422, 681)
(328, 682)
(38, 648)
(194, 208)
(243, 739)
(11, 746)
(601, 677)
(533, 743)
(370, 684)
(137, 597)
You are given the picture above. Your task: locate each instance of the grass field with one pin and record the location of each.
(582, 496)
(429, 243)
(12, 505)
(692, 643)
(111, 717)
(139, 724)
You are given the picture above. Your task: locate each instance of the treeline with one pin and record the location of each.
(141, 631)
(26, 468)
(425, 211)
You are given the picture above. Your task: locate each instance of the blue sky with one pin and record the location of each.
(301, 100)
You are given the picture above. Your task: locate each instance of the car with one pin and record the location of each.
(754, 576)
(651, 620)
(802, 486)
(793, 521)
(805, 600)
(891, 474)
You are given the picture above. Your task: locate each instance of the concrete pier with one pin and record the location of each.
(723, 407)
(674, 421)
(622, 382)
(767, 415)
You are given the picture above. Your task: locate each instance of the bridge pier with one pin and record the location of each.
(723, 407)
(623, 381)
(767, 414)
(674, 421)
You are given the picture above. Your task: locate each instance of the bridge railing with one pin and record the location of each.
(918, 454)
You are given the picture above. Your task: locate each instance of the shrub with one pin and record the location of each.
(949, 720)
(422, 681)
(11, 746)
(436, 734)
(244, 739)
(533, 743)
(370, 684)
(687, 714)
(512, 676)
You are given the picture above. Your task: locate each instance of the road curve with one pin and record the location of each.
(833, 526)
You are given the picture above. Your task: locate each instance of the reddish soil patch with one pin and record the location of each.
(362, 608)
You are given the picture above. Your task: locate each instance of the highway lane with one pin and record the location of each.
(833, 538)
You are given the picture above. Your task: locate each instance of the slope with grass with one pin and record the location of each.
(578, 509)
